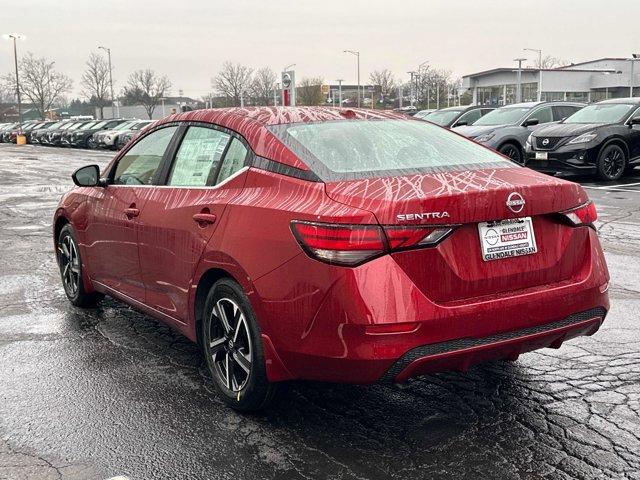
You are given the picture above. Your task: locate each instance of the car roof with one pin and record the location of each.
(633, 100)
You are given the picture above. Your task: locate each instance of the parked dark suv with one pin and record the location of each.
(84, 138)
(451, 117)
(506, 129)
(603, 138)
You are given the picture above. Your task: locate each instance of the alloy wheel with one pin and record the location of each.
(230, 344)
(69, 264)
(613, 163)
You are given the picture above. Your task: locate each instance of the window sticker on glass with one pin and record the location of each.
(198, 157)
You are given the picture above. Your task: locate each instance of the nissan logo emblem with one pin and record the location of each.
(515, 202)
(545, 142)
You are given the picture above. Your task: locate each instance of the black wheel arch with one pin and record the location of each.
(207, 280)
(615, 141)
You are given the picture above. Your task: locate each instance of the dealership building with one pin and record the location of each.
(590, 81)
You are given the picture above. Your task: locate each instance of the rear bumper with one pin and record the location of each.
(460, 354)
(371, 323)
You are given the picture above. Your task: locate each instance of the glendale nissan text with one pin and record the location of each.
(328, 244)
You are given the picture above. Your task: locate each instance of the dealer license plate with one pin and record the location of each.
(507, 238)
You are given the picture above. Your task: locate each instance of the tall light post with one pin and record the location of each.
(14, 37)
(357, 54)
(113, 111)
(539, 52)
(519, 84)
(634, 56)
(340, 80)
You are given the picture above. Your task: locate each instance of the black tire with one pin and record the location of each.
(243, 385)
(70, 264)
(612, 162)
(512, 151)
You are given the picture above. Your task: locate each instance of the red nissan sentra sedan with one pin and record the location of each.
(331, 244)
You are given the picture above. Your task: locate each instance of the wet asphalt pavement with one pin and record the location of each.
(105, 392)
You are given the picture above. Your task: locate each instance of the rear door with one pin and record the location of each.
(112, 230)
(205, 173)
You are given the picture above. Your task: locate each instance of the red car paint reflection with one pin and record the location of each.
(353, 275)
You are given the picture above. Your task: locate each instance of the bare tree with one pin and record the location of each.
(309, 91)
(95, 82)
(264, 82)
(39, 82)
(385, 80)
(233, 82)
(432, 87)
(550, 62)
(146, 88)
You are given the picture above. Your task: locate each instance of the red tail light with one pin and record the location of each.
(585, 214)
(340, 244)
(353, 244)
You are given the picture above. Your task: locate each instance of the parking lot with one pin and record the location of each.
(106, 392)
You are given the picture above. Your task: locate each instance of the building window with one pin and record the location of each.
(577, 97)
(552, 96)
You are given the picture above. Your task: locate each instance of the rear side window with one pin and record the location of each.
(198, 157)
(139, 165)
(234, 160)
(351, 149)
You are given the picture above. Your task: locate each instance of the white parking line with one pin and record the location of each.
(611, 189)
(605, 187)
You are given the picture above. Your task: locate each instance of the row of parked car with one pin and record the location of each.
(554, 137)
(87, 133)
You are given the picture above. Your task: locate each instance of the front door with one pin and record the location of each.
(111, 234)
(181, 216)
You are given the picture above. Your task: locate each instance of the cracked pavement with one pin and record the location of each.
(105, 392)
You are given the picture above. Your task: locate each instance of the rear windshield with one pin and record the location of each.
(352, 149)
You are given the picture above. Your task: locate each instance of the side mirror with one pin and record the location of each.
(88, 176)
(461, 123)
(531, 122)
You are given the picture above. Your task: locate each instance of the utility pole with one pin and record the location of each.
(631, 80)
(275, 94)
(15, 59)
(357, 54)
(340, 80)
(539, 70)
(113, 105)
(519, 84)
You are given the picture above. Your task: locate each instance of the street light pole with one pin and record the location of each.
(519, 84)
(539, 70)
(340, 80)
(357, 54)
(15, 37)
(108, 50)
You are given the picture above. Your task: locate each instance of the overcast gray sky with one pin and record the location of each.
(189, 39)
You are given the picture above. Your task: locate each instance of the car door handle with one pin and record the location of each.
(204, 219)
(131, 212)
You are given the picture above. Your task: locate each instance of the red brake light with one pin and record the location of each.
(339, 244)
(353, 244)
(585, 214)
